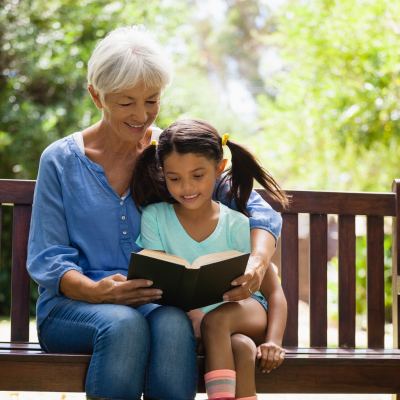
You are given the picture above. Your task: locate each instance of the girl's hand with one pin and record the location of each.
(196, 316)
(271, 356)
(116, 289)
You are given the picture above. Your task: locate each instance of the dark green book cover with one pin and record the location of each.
(186, 288)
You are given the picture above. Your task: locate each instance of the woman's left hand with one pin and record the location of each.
(251, 279)
(271, 356)
(262, 248)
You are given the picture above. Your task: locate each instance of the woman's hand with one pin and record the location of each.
(116, 289)
(196, 316)
(271, 356)
(262, 248)
(251, 279)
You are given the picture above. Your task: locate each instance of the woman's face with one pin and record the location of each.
(130, 113)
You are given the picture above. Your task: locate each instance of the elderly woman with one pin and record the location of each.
(84, 227)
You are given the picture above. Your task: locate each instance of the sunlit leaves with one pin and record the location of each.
(44, 49)
(338, 95)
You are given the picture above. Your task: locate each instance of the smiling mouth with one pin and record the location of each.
(191, 197)
(134, 126)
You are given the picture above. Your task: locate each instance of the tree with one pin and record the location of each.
(44, 49)
(334, 123)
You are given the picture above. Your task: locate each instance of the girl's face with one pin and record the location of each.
(130, 113)
(191, 178)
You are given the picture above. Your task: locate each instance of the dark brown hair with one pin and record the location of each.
(200, 137)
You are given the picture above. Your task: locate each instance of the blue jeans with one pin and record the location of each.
(150, 349)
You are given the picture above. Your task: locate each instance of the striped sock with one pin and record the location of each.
(248, 398)
(220, 383)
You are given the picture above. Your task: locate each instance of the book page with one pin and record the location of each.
(166, 257)
(212, 258)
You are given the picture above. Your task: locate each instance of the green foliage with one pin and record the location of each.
(361, 282)
(44, 49)
(233, 48)
(328, 116)
(334, 121)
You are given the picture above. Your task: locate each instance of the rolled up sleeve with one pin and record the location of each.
(50, 254)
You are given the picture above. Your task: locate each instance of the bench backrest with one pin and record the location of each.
(20, 194)
(346, 205)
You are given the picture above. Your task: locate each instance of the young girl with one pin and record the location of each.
(174, 181)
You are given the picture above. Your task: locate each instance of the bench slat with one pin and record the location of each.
(290, 276)
(19, 346)
(341, 203)
(26, 348)
(318, 280)
(20, 286)
(1, 216)
(16, 191)
(347, 281)
(313, 374)
(375, 283)
(396, 267)
(331, 376)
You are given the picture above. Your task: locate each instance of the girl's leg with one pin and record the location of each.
(244, 354)
(117, 336)
(172, 368)
(246, 317)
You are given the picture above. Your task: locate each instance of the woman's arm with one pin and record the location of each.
(262, 249)
(277, 306)
(52, 261)
(265, 225)
(114, 289)
(270, 353)
(50, 254)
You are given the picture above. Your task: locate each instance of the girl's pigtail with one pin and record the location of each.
(148, 183)
(244, 170)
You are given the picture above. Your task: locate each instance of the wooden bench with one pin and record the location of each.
(318, 369)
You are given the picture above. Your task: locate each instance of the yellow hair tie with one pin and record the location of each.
(154, 143)
(225, 139)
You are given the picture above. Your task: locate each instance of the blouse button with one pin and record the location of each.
(123, 217)
(122, 203)
(124, 232)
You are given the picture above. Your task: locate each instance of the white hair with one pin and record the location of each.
(128, 56)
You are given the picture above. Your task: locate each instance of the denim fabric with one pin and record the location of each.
(80, 223)
(262, 301)
(150, 349)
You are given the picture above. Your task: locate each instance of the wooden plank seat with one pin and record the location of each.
(26, 366)
(318, 369)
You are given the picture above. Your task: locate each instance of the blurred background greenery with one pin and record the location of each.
(313, 86)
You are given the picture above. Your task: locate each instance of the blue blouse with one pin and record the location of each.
(80, 223)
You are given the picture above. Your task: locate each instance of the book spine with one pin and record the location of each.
(187, 289)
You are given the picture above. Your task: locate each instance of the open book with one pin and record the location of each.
(188, 286)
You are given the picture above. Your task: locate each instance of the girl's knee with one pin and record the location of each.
(214, 322)
(210, 323)
(243, 347)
